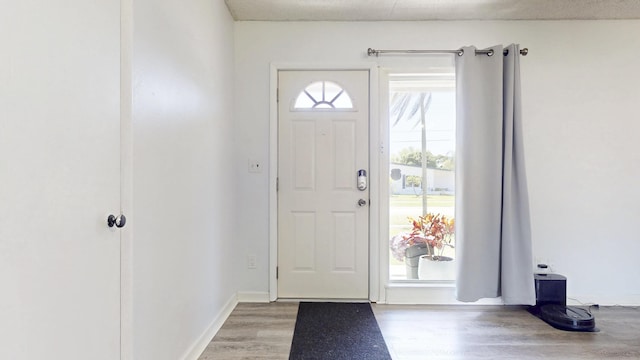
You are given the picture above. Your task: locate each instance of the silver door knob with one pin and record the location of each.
(118, 221)
(362, 202)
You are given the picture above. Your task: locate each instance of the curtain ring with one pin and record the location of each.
(460, 52)
(490, 53)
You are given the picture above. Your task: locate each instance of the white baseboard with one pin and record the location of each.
(444, 294)
(604, 300)
(198, 347)
(253, 297)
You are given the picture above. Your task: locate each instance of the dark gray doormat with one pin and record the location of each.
(337, 331)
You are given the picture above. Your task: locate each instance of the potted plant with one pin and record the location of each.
(427, 241)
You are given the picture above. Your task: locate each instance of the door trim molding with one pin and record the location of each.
(374, 173)
(126, 179)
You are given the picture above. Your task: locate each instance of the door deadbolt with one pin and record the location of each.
(362, 202)
(362, 180)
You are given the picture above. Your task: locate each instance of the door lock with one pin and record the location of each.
(362, 180)
(362, 202)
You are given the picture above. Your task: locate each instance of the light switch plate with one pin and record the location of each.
(252, 262)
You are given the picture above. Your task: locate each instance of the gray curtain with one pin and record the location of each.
(493, 230)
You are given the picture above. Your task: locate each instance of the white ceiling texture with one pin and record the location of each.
(403, 10)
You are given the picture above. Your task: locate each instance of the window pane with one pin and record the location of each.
(303, 101)
(331, 90)
(343, 101)
(422, 174)
(315, 90)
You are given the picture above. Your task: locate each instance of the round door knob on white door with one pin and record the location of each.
(362, 202)
(119, 221)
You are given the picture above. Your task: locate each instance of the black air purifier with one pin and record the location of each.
(551, 305)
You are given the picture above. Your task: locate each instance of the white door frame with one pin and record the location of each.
(374, 171)
(126, 178)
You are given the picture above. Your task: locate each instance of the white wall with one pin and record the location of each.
(580, 90)
(183, 185)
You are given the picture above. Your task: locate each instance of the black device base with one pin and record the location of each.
(568, 318)
(551, 305)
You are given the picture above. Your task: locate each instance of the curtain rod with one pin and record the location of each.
(375, 52)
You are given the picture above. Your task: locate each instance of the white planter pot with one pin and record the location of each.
(443, 269)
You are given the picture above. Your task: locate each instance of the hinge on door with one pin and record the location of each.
(277, 95)
(277, 272)
(277, 184)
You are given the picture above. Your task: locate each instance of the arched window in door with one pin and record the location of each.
(323, 95)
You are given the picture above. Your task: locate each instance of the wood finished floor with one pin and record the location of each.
(255, 331)
(264, 331)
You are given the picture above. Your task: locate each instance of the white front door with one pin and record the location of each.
(59, 180)
(323, 139)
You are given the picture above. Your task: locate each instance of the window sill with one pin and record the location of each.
(427, 293)
(420, 284)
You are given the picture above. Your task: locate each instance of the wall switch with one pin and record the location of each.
(255, 166)
(252, 262)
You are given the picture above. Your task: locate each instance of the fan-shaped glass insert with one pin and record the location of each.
(323, 95)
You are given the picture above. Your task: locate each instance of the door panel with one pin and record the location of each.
(304, 154)
(345, 154)
(344, 246)
(323, 237)
(59, 180)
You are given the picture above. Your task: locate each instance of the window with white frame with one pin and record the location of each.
(422, 175)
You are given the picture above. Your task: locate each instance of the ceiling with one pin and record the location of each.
(402, 10)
